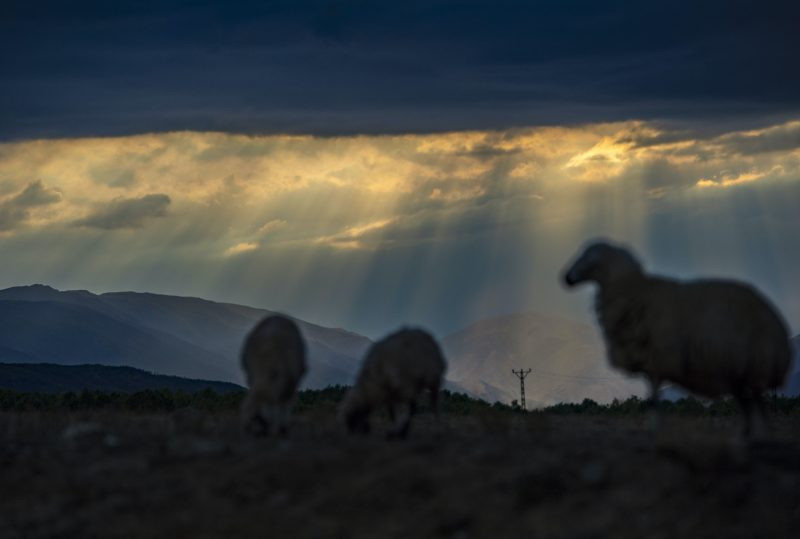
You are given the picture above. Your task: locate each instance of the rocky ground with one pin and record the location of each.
(189, 474)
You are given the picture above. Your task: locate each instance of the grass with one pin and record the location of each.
(323, 401)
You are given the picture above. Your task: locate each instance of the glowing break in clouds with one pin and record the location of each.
(368, 232)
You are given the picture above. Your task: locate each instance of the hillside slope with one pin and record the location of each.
(221, 327)
(51, 378)
(182, 336)
(56, 332)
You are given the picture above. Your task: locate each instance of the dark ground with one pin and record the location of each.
(189, 474)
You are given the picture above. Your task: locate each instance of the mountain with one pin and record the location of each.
(180, 336)
(197, 338)
(50, 378)
(334, 354)
(51, 331)
(566, 358)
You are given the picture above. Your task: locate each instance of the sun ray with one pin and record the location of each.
(375, 231)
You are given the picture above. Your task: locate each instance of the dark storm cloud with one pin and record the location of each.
(486, 152)
(16, 209)
(113, 176)
(36, 194)
(127, 212)
(778, 138)
(324, 67)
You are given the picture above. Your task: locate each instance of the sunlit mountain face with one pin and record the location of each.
(370, 232)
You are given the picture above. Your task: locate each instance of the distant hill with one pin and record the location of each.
(197, 338)
(70, 334)
(334, 354)
(566, 358)
(182, 336)
(179, 336)
(50, 378)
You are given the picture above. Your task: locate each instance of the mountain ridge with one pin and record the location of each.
(196, 338)
(54, 378)
(210, 332)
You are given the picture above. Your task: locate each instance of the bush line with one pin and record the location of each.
(326, 400)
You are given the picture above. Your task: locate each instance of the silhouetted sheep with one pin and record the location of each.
(396, 370)
(713, 337)
(274, 361)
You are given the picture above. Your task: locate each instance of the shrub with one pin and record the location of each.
(326, 400)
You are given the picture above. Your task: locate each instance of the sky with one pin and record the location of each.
(371, 164)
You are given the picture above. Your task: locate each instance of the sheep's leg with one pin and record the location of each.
(396, 419)
(435, 406)
(745, 401)
(282, 420)
(252, 421)
(248, 412)
(755, 414)
(406, 426)
(402, 426)
(654, 404)
(269, 417)
(391, 409)
(760, 420)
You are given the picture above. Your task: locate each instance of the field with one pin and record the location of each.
(481, 472)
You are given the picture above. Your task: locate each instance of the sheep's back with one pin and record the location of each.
(402, 363)
(273, 357)
(734, 335)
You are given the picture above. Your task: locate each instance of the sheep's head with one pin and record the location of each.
(355, 410)
(604, 264)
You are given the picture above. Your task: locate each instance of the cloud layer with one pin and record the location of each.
(321, 67)
(15, 210)
(126, 212)
(369, 232)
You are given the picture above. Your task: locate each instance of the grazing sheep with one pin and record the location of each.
(274, 361)
(713, 337)
(396, 370)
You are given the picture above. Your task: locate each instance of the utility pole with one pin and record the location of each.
(521, 375)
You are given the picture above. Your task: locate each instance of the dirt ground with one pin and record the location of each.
(190, 474)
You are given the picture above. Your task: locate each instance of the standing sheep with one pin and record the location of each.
(713, 337)
(274, 361)
(396, 370)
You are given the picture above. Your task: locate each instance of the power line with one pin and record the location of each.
(579, 377)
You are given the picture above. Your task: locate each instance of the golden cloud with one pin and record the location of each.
(244, 191)
(240, 248)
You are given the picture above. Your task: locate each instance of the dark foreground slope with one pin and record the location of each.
(492, 474)
(50, 378)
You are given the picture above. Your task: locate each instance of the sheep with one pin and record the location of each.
(713, 337)
(396, 370)
(274, 361)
